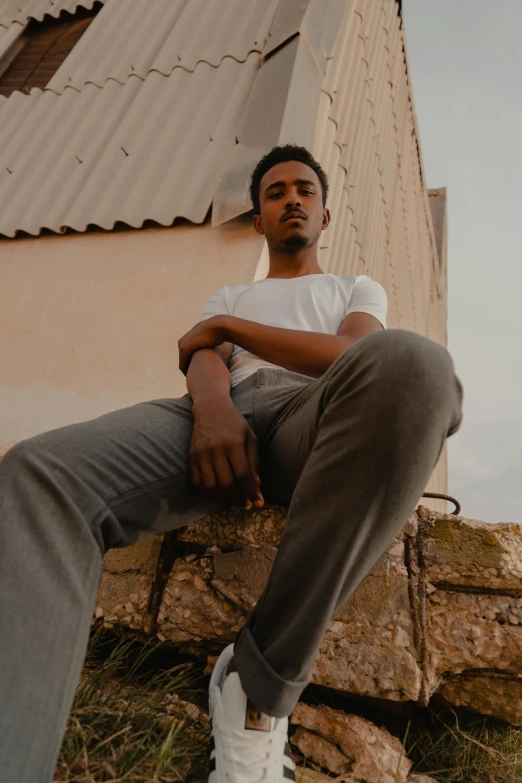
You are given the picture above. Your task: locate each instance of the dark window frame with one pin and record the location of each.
(34, 58)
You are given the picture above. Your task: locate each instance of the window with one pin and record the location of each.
(43, 46)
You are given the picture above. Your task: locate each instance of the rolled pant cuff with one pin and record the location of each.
(269, 692)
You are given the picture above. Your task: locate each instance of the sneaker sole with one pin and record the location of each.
(215, 680)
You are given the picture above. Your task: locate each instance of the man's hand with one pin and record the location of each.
(223, 454)
(205, 334)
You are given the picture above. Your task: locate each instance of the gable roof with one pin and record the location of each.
(161, 112)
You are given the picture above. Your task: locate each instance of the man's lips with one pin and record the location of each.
(294, 215)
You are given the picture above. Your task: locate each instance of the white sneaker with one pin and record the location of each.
(247, 746)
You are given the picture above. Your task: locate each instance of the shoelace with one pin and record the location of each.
(240, 750)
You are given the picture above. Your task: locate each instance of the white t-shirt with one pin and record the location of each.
(313, 303)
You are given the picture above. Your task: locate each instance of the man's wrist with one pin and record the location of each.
(224, 324)
(210, 402)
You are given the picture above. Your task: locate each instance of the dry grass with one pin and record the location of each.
(466, 747)
(131, 723)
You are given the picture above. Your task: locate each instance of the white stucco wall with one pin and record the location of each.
(90, 322)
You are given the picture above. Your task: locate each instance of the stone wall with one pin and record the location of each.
(440, 614)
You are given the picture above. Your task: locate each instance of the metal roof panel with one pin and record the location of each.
(20, 11)
(316, 21)
(129, 132)
(282, 108)
(163, 35)
(150, 149)
(8, 36)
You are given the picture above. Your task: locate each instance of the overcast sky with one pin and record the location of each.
(466, 67)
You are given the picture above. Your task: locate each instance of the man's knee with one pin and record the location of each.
(42, 456)
(403, 367)
(22, 458)
(408, 355)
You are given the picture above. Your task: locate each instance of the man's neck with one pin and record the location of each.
(287, 265)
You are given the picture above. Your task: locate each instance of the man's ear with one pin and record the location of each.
(258, 224)
(326, 218)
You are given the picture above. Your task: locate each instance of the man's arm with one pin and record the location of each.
(223, 449)
(208, 376)
(309, 353)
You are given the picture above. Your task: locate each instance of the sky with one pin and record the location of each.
(465, 61)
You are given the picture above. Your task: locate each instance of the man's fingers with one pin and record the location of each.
(209, 482)
(184, 361)
(227, 481)
(245, 476)
(195, 471)
(252, 453)
(253, 458)
(181, 361)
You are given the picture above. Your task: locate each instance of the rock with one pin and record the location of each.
(472, 608)
(140, 558)
(467, 553)
(192, 609)
(123, 597)
(490, 694)
(343, 743)
(352, 749)
(472, 631)
(370, 648)
(241, 576)
(322, 751)
(262, 527)
(441, 612)
(304, 775)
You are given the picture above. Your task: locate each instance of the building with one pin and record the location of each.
(128, 133)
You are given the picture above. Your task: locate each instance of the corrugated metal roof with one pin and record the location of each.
(316, 22)
(20, 11)
(130, 132)
(39, 52)
(285, 98)
(15, 15)
(8, 36)
(161, 35)
(64, 159)
(150, 149)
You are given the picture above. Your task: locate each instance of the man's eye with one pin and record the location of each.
(275, 195)
(308, 192)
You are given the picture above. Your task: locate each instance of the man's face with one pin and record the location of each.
(292, 214)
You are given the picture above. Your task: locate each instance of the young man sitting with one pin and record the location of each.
(297, 395)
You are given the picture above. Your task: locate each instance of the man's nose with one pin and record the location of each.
(293, 200)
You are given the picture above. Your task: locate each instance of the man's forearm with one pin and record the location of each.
(309, 353)
(208, 377)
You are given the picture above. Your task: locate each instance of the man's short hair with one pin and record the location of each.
(281, 155)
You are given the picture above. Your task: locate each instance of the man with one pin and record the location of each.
(296, 395)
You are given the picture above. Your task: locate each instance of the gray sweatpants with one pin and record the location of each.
(350, 452)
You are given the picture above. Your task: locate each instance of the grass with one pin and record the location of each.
(129, 722)
(139, 716)
(463, 746)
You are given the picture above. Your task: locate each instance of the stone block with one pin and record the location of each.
(473, 554)
(343, 743)
(123, 597)
(441, 612)
(369, 648)
(237, 529)
(499, 695)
